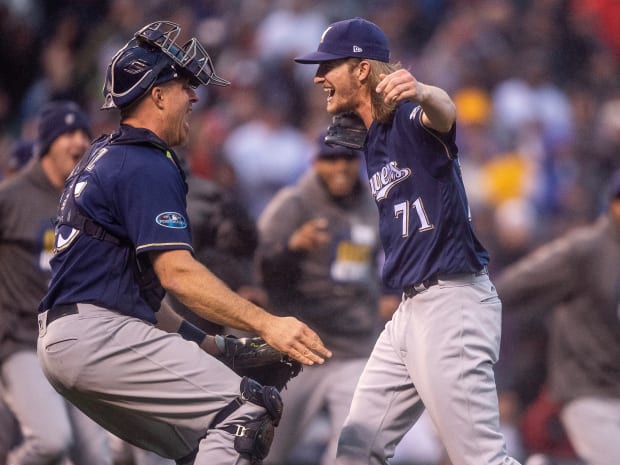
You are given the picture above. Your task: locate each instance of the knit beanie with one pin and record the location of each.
(58, 118)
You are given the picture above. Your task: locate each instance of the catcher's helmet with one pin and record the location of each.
(153, 57)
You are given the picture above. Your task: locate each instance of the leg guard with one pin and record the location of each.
(254, 438)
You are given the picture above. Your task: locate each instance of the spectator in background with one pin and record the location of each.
(58, 64)
(266, 153)
(51, 428)
(318, 258)
(577, 277)
(20, 24)
(21, 153)
(599, 152)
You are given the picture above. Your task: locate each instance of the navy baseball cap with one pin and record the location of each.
(326, 151)
(351, 38)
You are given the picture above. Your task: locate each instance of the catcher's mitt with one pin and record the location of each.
(348, 130)
(253, 357)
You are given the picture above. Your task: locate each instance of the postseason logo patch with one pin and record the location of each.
(171, 220)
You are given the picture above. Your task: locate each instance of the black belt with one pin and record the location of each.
(58, 311)
(414, 289)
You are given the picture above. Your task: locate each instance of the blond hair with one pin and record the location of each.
(381, 111)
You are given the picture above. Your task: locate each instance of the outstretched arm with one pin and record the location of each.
(201, 291)
(439, 109)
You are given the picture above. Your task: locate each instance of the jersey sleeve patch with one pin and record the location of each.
(172, 220)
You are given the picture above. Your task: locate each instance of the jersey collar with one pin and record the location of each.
(131, 135)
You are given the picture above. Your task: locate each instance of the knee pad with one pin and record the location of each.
(253, 439)
(265, 396)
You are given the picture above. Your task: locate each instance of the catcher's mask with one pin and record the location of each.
(153, 57)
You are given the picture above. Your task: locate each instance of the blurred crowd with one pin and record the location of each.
(536, 84)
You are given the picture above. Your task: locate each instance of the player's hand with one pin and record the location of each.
(439, 111)
(310, 236)
(294, 338)
(399, 85)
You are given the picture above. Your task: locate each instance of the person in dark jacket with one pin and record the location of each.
(51, 428)
(577, 276)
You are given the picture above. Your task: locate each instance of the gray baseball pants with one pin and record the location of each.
(593, 427)
(150, 388)
(52, 429)
(329, 386)
(437, 353)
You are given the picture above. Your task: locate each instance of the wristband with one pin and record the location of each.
(191, 333)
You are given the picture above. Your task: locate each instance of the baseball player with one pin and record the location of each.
(122, 240)
(577, 277)
(51, 428)
(437, 352)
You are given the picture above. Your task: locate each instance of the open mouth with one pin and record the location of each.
(330, 93)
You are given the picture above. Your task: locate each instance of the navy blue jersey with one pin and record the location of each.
(416, 182)
(132, 186)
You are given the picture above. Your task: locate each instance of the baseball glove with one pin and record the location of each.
(253, 357)
(348, 130)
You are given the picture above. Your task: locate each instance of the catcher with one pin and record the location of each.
(122, 241)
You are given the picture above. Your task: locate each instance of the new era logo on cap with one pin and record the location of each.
(355, 37)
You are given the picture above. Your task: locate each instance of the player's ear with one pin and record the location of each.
(362, 70)
(157, 97)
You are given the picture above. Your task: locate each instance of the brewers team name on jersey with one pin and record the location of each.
(382, 181)
(415, 179)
